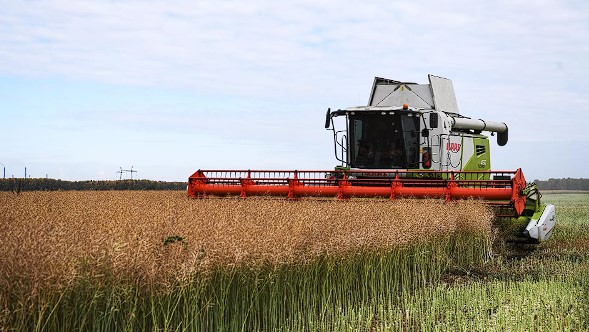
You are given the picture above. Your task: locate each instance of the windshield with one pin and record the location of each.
(384, 141)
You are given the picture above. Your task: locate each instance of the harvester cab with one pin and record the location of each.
(412, 126)
(409, 141)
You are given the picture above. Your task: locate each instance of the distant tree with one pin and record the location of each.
(18, 185)
(563, 184)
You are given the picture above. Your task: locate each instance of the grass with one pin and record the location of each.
(158, 261)
(526, 288)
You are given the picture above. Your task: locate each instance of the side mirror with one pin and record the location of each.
(433, 120)
(424, 132)
(328, 118)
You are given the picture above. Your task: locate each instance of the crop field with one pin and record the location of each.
(156, 260)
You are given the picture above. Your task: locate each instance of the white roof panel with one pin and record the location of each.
(443, 94)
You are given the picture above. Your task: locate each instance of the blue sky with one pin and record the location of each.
(168, 87)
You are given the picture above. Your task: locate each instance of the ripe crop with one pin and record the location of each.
(227, 256)
(55, 238)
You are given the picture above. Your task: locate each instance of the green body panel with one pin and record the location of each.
(538, 213)
(482, 161)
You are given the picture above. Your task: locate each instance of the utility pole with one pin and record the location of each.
(126, 171)
(131, 170)
(25, 172)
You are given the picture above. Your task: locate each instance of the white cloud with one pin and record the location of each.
(262, 44)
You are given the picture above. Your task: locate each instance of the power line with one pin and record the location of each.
(126, 171)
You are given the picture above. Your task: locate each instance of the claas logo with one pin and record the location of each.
(454, 147)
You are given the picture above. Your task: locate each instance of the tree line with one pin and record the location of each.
(563, 184)
(30, 184)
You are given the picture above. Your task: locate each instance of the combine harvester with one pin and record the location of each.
(410, 141)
